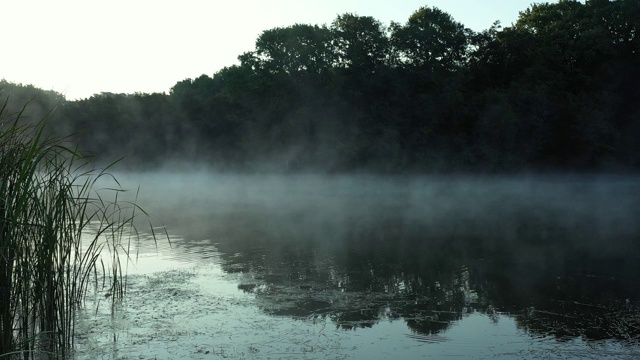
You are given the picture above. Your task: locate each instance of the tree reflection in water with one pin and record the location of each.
(559, 276)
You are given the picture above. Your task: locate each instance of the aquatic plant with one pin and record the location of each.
(54, 228)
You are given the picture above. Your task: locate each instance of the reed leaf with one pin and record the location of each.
(54, 230)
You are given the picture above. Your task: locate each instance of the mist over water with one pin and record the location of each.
(534, 224)
(556, 255)
(592, 205)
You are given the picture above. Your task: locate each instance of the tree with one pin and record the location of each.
(430, 40)
(621, 21)
(359, 43)
(295, 50)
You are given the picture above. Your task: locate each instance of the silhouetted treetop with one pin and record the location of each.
(430, 40)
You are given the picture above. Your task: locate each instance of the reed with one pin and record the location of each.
(48, 202)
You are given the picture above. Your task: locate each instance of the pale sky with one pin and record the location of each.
(83, 47)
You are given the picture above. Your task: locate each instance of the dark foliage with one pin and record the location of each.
(556, 91)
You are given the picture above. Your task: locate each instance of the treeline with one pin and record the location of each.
(558, 90)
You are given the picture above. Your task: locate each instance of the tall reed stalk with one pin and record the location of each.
(47, 202)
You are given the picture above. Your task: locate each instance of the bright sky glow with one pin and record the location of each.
(84, 47)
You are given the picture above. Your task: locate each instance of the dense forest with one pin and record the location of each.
(556, 91)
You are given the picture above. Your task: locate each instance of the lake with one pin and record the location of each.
(374, 267)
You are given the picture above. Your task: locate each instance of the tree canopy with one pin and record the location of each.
(557, 90)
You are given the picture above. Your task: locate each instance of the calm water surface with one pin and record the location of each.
(301, 266)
